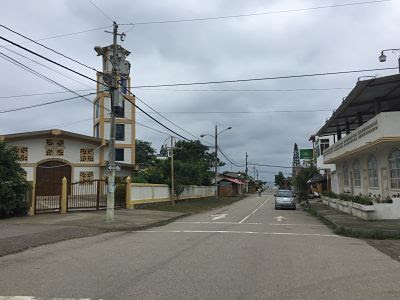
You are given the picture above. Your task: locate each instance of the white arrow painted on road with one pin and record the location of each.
(217, 217)
(280, 218)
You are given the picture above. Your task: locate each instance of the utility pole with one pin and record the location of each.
(254, 170)
(257, 173)
(216, 162)
(111, 151)
(172, 172)
(247, 170)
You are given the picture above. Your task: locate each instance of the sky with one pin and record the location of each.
(267, 117)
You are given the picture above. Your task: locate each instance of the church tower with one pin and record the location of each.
(125, 135)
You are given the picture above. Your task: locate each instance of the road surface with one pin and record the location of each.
(244, 251)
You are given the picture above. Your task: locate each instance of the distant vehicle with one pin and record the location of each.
(285, 199)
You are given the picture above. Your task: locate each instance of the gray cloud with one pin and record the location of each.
(290, 43)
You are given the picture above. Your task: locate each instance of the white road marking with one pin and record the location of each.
(246, 217)
(37, 298)
(219, 216)
(280, 218)
(285, 224)
(239, 232)
(230, 223)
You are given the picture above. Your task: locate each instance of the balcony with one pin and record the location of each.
(380, 128)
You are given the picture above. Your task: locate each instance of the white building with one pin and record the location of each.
(50, 155)
(367, 159)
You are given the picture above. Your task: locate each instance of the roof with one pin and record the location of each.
(50, 133)
(237, 181)
(367, 98)
(317, 178)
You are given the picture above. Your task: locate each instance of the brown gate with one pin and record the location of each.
(91, 194)
(49, 177)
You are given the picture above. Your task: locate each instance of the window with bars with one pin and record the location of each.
(346, 175)
(372, 172)
(357, 173)
(87, 155)
(54, 147)
(22, 153)
(394, 169)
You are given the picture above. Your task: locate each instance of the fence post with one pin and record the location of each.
(64, 196)
(33, 199)
(128, 193)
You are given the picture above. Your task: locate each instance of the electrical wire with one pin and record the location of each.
(43, 104)
(244, 112)
(100, 10)
(173, 123)
(229, 159)
(265, 78)
(48, 48)
(155, 120)
(47, 67)
(52, 61)
(26, 68)
(248, 90)
(256, 14)
(43, 94)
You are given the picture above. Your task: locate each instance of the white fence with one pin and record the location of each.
(142, 193)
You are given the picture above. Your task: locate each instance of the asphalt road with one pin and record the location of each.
(244, 251)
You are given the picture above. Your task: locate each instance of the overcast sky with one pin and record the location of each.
(323, 40)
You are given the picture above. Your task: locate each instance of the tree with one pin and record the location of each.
(13, 185)
(307, 171)
(296, 160)
(145, 154)
(280, 180)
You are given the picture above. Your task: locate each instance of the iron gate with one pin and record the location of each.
(47, 196)
(91, 194)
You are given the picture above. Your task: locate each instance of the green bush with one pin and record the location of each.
(13, 185)
(360, 199)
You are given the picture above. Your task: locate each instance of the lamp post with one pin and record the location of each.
(215, 136)
(382, 57)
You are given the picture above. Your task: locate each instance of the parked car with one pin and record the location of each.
(285, 199)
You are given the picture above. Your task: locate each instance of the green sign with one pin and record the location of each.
(306, 153)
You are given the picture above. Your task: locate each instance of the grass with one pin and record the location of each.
(194, 205)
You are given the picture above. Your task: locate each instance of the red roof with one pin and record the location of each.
(237, 181)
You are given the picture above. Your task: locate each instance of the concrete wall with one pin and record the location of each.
(142, 193)
(381, 153)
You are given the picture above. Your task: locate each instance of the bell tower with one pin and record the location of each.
(125, 131)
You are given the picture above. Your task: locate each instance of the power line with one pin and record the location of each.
(43, 94)
(249, 90)
(268, 166)
(66, 34)
(43, 104)
(151, 128)
(229, 159)
(101, 11)
(48, 48)
(244, 112)
(173, 123)
(265, 78)
(52, 61)
(155, 120)
(256, 14)
(26, 68)
(47, 67)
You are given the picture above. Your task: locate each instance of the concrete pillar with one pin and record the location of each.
(64, 196)
(33, 199)
(128, 193)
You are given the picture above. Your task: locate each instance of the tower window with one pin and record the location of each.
(120, 132)
(120, 113)
(119, 154)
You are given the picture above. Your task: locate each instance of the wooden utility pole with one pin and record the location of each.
(172, 172)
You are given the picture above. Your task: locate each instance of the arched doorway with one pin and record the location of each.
(49, 175)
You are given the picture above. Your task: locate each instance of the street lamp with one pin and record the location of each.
(382, 57)
(216, 155)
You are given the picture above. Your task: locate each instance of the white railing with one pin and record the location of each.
(142, 193)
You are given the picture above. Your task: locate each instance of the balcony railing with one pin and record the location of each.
(382, 125)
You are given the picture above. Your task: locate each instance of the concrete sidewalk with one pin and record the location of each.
(352, 226)
(20, 233)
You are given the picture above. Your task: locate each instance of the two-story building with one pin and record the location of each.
(367, 158)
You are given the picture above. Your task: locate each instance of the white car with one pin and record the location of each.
(285, 199)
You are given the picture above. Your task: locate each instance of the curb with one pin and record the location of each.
(377, 234)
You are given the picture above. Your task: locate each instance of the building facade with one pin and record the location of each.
(367, 132)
